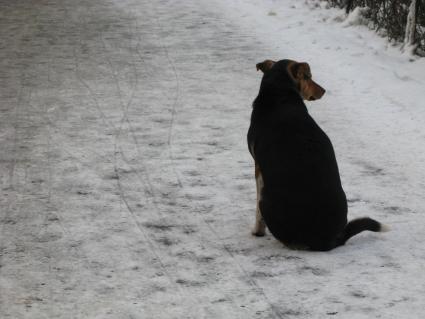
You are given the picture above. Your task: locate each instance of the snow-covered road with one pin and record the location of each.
(127, 189)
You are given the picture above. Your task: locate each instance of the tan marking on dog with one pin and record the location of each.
(251, 148)
(260, 226)
(301, 74)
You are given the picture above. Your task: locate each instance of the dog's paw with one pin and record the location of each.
(258, 232)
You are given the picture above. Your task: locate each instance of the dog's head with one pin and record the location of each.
(293, 75)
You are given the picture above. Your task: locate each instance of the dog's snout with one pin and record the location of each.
(318, 92)
(322, 91)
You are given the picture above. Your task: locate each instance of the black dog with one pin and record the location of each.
(299, 192)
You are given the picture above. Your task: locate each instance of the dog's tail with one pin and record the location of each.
(361, 224)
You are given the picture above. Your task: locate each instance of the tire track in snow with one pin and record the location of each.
(175, 102)
(131, 211)
(125, 109)
(118, 150)
(250, 281)
(102, 114)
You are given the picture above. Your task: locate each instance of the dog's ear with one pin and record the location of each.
(299, 70)
(265, 66)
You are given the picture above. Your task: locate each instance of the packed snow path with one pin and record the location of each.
(127, 190)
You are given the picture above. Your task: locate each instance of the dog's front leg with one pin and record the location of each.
(260, 226)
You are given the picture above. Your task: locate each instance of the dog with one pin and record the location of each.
(299, 193)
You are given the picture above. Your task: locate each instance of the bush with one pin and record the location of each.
(390, 17)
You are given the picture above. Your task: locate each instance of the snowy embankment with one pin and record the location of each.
(127, 186)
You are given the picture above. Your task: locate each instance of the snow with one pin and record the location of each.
(127, 189)
(356, 17)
